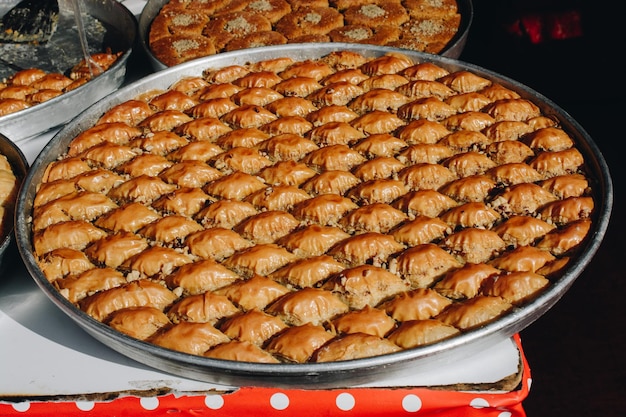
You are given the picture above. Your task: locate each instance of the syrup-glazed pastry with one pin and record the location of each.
(522, 230)
(267, 226)
(298, 343)
(324, 209)
(421, 229)
(200, 277)
(561, 241)
(63, 261)
(138, 322)
(354, 346)
(255, 292)
(77, 287)
(205, 307)
(474, 244)
(429, 203)
(473, 188)
(133, 294)
(260, 259)
(307, 272)
(515, 287)
(415, 333)
(473, 214)
(309, 305)
(417, 304)
(475, 312)
(523, 258)
(374, 217)
(465, 282)
(225, 213)
(115, 249)
(365, 285)
(424, 264)
(368, 320)
(254, 326)
(189, 337)
(312, 240)
(331, 182)
(240, 351)
(364, 248)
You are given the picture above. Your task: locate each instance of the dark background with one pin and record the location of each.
(572, 53)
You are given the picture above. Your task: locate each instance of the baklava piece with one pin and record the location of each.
(424, 264)
(256, 292)
(365, 285)
(465, 282)
(309, 305)
(307, 272)
(200, 277)
(417, 304)
(138, 322)
(297, 343)
(515, 287)
(240, 351)
(354, 346)
(414, 333)
(254, 326)
(189, 337)
(475, 312)
(368, 320)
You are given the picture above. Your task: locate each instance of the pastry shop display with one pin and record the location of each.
(176, 31)
(193, 223)
(44, 84)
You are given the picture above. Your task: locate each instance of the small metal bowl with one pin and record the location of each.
(452, 50)
(62, 52)
(19, 166)
(318, 375)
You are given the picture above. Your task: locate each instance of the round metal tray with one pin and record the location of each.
(114, 27)
(315, 374)
(452, 50)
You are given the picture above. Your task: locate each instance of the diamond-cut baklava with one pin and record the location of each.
(245, 232)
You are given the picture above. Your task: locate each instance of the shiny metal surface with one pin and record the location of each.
(109, 25)
(19, 165)
(452, 50)
(320, 375)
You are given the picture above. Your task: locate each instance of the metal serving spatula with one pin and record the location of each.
(30, 21)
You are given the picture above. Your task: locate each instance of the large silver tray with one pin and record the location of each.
(338, 374)
(108, 25)
(453, 49)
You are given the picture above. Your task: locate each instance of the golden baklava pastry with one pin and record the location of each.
(417, 304)
(354, 346)
(63, 261)
(189, 337)
(421, 229)
(267, 226)
(254, 326)
(298, 343)
(312, 240)
(421, 265)
(465, 282)
(138, 322)
(133, 294)
(255, 292)
(309, 305)
(413, 333)
(200, 277)
(365, 285)
(225, 213)
(515, 287)
(288, 211)
(307, 272)
(91, 281)
(240, 351)
(474, 312)
(367, 320)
